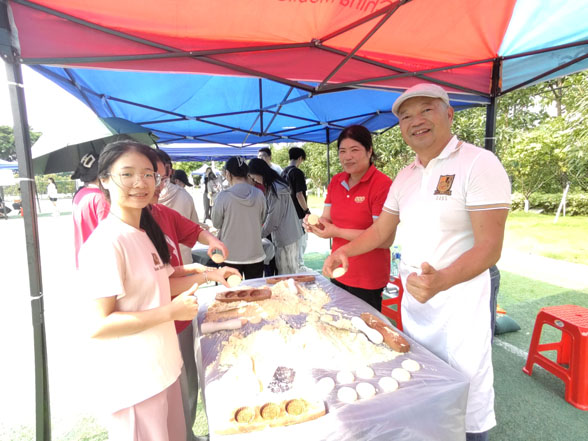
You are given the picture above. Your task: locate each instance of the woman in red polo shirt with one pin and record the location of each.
(354, 200)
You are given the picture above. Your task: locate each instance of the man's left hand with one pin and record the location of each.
(425, 286)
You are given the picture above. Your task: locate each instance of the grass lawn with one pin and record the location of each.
(537, 234)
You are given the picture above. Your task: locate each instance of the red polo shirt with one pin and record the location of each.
(357, 208)
(177, 230)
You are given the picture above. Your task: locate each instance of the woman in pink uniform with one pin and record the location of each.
(354, 201)
(124, 266)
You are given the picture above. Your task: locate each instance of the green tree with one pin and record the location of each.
(7, 146)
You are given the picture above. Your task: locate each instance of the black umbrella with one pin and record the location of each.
(61, 151)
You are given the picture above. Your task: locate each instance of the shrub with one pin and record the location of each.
(576, 203)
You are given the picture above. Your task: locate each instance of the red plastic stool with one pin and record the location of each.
(572, 349)
(388, 302)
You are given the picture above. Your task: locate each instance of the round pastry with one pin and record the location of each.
(388, 384)
(365, 390)
(296, 406)
(365, 372)
(411, 365)
(217, 258)
(345, 377)
(244, 415)
(347, 394)
(338, 272)
(400, 375)
(269, 411)
(233, 280)
(325, 385)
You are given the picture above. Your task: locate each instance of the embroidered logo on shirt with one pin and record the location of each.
(359, 199)
(156, 260)
(444, 185)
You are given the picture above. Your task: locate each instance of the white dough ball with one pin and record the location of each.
(411, 365)
(347, 394)
(400, 374)
(365, 390)
(345, 377)
(325, 385)
(388, 384)
(365, 372)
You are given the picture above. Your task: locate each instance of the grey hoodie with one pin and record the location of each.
(281, 220)
(238, 213)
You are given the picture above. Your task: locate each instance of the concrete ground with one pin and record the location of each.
(66, 345)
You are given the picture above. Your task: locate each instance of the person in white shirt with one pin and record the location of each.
(265, 153)
(177, 198)
(453, 201)
(126, 277)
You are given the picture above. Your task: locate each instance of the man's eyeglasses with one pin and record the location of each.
(128, 179)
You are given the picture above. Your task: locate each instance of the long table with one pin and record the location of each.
(431, 406)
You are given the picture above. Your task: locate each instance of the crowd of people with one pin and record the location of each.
(135, 226)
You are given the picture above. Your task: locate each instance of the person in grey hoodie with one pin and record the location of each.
(281, 220)
(238, 214)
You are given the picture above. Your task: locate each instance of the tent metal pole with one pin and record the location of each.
(490, 136)
(28, 191)
(328, 156)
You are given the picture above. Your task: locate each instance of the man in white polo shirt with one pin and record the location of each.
(453, 201)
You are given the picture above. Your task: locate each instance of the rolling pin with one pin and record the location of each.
(392, 338)
(210, 327)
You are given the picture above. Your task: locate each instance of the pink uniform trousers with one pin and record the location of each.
(159, 418)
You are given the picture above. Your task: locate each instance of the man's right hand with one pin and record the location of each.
(185, 306)
(336, 259)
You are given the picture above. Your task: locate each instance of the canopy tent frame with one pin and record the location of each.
(22, 142)
(14, 60)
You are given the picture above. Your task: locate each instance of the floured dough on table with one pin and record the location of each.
(365, 390)
(411, 365)
(284, 302)
(388, 384)
(400, 375)
(347, 394)
(315, 344)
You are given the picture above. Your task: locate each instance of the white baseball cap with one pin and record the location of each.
(421, 89)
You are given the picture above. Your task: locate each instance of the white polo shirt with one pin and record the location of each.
(433, 204)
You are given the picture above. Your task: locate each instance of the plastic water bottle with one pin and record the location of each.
(394, 261)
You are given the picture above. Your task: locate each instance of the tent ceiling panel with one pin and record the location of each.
(183, 107)
(330, 43)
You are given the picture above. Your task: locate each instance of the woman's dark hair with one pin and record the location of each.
(360, 134)
(237, 166)
(107, 158)
(269, 175)
(52, 180)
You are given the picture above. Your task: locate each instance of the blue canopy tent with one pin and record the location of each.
(229, 109)
(209, 152)
(289, 71)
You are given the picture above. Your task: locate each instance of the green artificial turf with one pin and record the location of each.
(532, 407)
